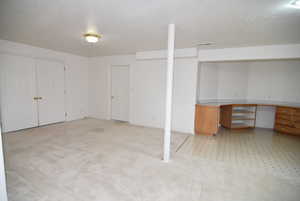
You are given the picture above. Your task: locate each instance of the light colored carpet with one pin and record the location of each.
(91, 160)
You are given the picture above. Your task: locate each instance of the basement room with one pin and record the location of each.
(109, 100)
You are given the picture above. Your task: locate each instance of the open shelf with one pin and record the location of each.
(241, 125)
(242, 118)
(238, 116)
(242, 111)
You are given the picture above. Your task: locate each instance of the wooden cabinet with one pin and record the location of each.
(287, 120)
(206, 119)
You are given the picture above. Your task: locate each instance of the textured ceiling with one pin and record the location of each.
(137, 25)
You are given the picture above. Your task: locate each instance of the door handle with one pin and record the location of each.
(37, 98)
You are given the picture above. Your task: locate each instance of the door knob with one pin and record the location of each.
(35, 98)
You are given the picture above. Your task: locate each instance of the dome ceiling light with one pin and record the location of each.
(92, 37)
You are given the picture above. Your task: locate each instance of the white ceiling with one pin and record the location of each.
(129, 26)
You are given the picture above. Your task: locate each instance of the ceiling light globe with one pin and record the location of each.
(91, 37)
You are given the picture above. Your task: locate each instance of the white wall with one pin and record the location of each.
(232, 80)
(147, 89)
(76, 74)
(100, 83)
(208, 74)
(226, 80)
(276, 80)
(148, 95)
(184, 94)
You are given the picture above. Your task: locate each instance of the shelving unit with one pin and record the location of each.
(237, 116)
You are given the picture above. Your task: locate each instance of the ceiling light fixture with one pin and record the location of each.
(295, 4)
(91, 37)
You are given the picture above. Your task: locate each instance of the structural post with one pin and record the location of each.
(3, 193)
(168, 114)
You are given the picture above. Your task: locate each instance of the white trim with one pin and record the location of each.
(269, 52)
(163, 54)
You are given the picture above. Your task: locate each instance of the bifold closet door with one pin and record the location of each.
(18, 88)
(50, 91)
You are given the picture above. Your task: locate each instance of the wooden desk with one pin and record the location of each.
(208, 116)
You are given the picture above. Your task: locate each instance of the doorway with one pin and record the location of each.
(120, 93)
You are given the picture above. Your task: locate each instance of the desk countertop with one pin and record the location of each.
(220, 102)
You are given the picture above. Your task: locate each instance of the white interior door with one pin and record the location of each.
(50, 89)
(120, 93)
(18, 88)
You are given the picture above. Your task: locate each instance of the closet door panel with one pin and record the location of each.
(50, 89)
(18, 88)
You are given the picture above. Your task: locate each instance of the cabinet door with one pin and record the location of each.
(206, 119)
(50, 89)
(18, 88)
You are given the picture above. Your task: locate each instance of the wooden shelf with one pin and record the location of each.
(240, 125)
(242, 118)
(242, 111)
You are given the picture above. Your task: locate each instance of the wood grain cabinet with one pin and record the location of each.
(206, 119)
(287, 120)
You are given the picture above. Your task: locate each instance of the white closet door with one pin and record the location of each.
(120, 93)
(18, 87)
(50, 89)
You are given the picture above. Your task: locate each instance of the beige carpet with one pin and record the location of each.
(89, 160)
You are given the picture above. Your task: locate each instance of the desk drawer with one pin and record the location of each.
(282, 116)
(284, 122)
(297, 112)
(297, 125)
(285, 110)
(296, 118)
(287, 129)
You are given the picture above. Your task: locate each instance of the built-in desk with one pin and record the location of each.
(242, 114)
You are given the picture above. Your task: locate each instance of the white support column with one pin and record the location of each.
(3, 193)
(168, 115)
